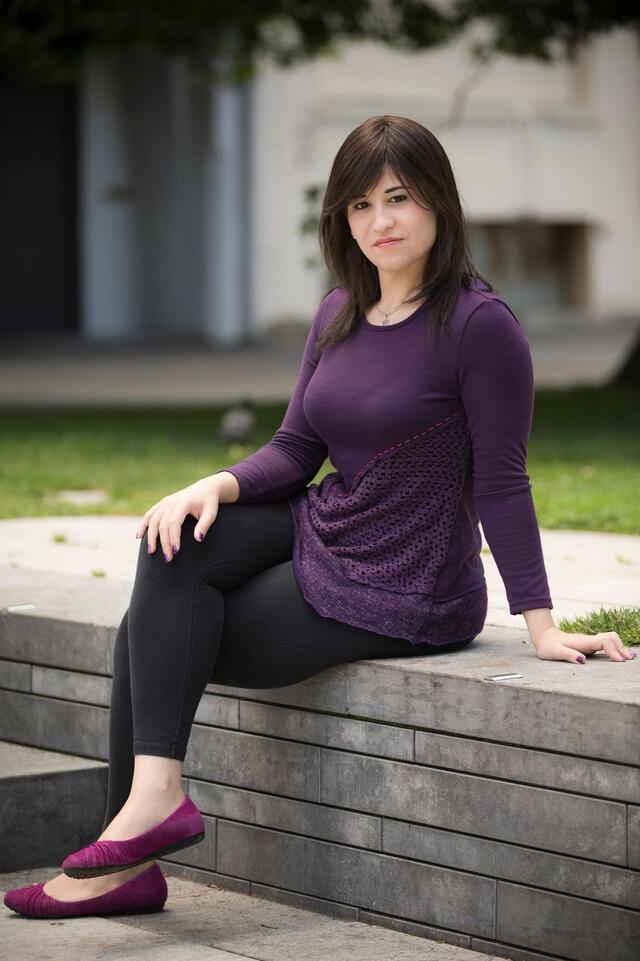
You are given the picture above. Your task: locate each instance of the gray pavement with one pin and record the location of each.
(158, 374)
(203, 922)
(585, 569)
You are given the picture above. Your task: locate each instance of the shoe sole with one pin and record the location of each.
(152, 909)
(99, 870)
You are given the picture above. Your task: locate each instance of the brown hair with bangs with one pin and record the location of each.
(417, 158)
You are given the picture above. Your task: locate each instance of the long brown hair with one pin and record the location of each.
(418, 159)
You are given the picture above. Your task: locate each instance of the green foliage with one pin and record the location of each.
(310, 221)
(583, 463)
(625, 621)
(545, 28)
(584, 459)
(45, 41)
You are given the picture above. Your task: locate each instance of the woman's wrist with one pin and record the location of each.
(228, 486)
(538, 620)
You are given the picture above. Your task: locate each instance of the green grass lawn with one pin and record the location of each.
(584, 457)
(584, 464)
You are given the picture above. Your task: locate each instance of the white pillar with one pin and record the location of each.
(110, 294)
(229, 253)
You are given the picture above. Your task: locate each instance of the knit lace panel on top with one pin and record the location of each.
(370, 555)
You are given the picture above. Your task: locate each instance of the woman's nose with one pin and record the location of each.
(382, 220)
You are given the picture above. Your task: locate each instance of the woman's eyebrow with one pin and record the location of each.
(387, 191)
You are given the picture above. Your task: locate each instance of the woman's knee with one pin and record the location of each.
(242, 541)
(253, 532)
(191, 555)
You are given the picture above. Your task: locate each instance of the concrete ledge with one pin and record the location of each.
(503, 816)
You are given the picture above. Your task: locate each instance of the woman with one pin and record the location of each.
(417, 380)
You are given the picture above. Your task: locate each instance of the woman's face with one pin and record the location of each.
(389, 211)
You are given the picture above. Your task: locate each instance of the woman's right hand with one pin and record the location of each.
(201, 500)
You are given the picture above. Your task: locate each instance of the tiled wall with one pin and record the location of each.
(417, 796)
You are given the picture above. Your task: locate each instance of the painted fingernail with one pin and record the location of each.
(200, 535)
(580, 659)
(167, 558)
(174, 548)
(149, 548)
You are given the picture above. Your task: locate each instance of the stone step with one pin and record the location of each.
(204, 922)
(51, 804)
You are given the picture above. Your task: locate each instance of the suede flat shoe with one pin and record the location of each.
(140, 895)
(182, 828)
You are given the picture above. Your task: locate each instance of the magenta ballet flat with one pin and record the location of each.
(145, 893)
(182, 828)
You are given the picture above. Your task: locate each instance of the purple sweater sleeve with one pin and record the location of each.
(495, 376)
(295, 453)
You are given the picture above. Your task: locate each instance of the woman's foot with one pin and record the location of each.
(163, 825)
(156, 819)
(145, 892)
(65, 888)
(141, 812)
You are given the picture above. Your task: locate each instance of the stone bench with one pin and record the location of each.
(501, 816)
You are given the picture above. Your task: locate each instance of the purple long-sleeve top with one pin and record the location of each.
(427, 440)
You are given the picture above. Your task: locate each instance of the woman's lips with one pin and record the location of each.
(388, 243)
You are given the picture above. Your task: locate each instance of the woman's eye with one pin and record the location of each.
(395, 197)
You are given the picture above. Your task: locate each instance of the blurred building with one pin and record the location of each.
(142, 206)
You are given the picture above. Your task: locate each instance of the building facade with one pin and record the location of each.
(147, 204)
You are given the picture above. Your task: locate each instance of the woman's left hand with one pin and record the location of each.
(552, 644)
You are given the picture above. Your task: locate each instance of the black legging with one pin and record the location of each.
(224, 610)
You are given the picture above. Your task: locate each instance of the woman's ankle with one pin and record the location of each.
(156, 779)
(154, 795)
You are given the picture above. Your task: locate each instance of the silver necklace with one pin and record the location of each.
(387, 315)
